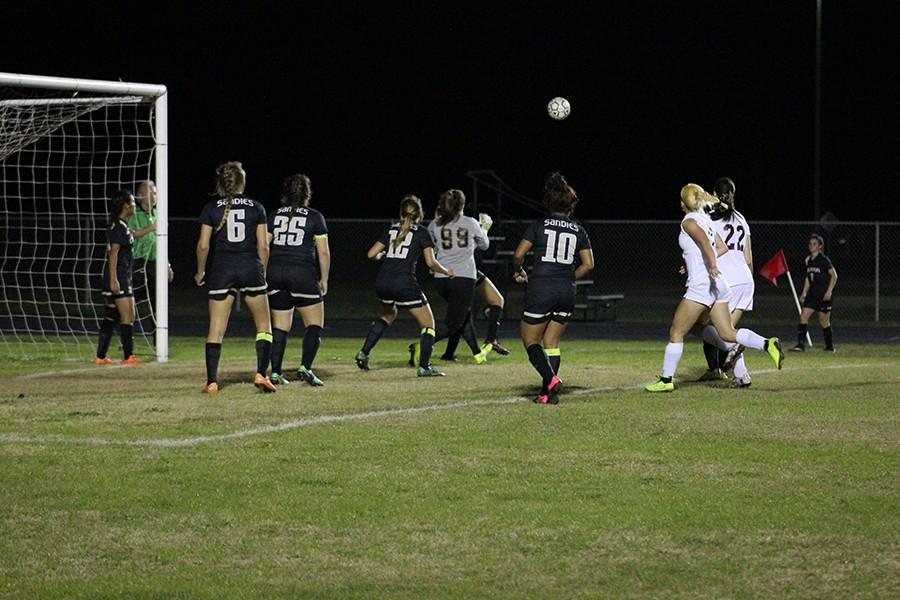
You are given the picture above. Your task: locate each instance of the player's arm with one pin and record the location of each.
(832, 281)
(699, 236)
(805, 289)
(522, 250)
(586, 255)
(262, 244)
(324, 252)
(721, 248)
(376, 252)
(202, 253)
(113, 271)
(432, 263)
(482, 241)
(142, 231)
(748, 254)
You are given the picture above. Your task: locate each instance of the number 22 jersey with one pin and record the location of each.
(557, 242)
(735, 232)
(238, 234)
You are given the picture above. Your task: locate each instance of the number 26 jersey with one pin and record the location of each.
(238, 233)
(294, 234)
(557, 242)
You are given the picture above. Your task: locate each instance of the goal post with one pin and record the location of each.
(84, 96)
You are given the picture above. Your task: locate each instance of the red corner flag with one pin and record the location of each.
(776, 266)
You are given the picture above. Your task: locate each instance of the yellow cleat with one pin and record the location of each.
(661, 386)
(480, 358)
(773, 347)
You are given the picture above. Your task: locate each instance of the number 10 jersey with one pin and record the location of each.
(557, 242)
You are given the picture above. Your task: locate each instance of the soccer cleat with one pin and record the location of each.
(733, 354)
(103, 361)
(278, 379)
(414, 352)
(773, 347)
(830, 349)
(210, 388)
(430, 371)
(496, 347)
(799, 348)
(714, 375)
(304, 374)
(661, 385)
(480, 358)
(131, 360)
(362, 360)
(542, 398)
(740, 382)
(263, 384)
(554, 390)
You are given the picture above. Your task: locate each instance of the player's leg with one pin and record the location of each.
(107, 327)
(459, 312)
(686, 315)
(532, 330)
(495, 302)
(219, 312)
(741, 374)
(425, 318)
(282, 321)
(803, 328)
(714, 355)
(387, 313)
(551, 340)
(825, 323)
(125, 308)
(745, 338)
(313, 320)
(258, 303)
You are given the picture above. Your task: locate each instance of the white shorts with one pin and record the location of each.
(742, 297)
(708, 291)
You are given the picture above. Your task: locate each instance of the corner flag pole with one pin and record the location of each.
(797, 303)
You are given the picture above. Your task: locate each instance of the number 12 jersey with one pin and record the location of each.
(557, 242)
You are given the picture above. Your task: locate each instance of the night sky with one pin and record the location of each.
(374, 100)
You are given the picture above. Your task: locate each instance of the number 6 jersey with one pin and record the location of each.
(294, 234)
(557, 242)
(238, 232)
(735, 232)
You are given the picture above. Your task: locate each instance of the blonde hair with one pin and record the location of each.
(230, 181)
(695, 198)
(410, 212)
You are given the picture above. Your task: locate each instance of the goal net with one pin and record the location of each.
(63, 152)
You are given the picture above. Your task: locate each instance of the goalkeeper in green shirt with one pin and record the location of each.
(143, 225)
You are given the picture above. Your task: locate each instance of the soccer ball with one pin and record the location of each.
(559, 108)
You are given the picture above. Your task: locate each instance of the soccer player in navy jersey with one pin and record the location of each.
(399, 248)
(818, 287)
(237, 225)
(562, 254)
(118, 292)
(299, 264)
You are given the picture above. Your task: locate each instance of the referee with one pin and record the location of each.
(143, 224)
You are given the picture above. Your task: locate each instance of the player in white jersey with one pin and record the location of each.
(707, 290)
(456, 237)
(737, 266)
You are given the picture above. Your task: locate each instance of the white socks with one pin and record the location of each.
(740, 369)
(711, 336)
(673, 355)
(751, 339)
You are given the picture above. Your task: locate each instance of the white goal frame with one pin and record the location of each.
(159, 96)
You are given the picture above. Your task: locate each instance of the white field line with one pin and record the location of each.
(306, 421)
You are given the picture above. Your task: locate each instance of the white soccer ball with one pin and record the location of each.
(559, 108)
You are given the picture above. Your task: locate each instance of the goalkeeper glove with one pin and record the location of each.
(485, 221)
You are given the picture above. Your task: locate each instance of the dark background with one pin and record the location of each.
(374, 100)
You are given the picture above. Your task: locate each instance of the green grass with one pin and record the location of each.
(786, 489)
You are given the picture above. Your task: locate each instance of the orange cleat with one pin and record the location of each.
(131, 360)
(263, 384)
(210, 388)
(103, 361)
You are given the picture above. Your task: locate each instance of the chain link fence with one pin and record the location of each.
(637, 259)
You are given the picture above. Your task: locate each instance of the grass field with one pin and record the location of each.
(126, 482)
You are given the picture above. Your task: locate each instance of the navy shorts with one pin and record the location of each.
(549, 300)
(818, 304)
(125, 285)
(293, 286)
(402, 293)
(479, 278)
(230, 277)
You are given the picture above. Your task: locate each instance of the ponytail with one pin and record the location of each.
(559, 196)
(410, 213)
(230, 181)
(296, 191)
(450, 205)
(117, 201)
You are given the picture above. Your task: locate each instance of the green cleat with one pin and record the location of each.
(414, 352)
(661, 385)
(714, 375)
(278, 379)
(362, 360)
(773, 347)
(481, 357)
(304, 374)
(429, 371)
